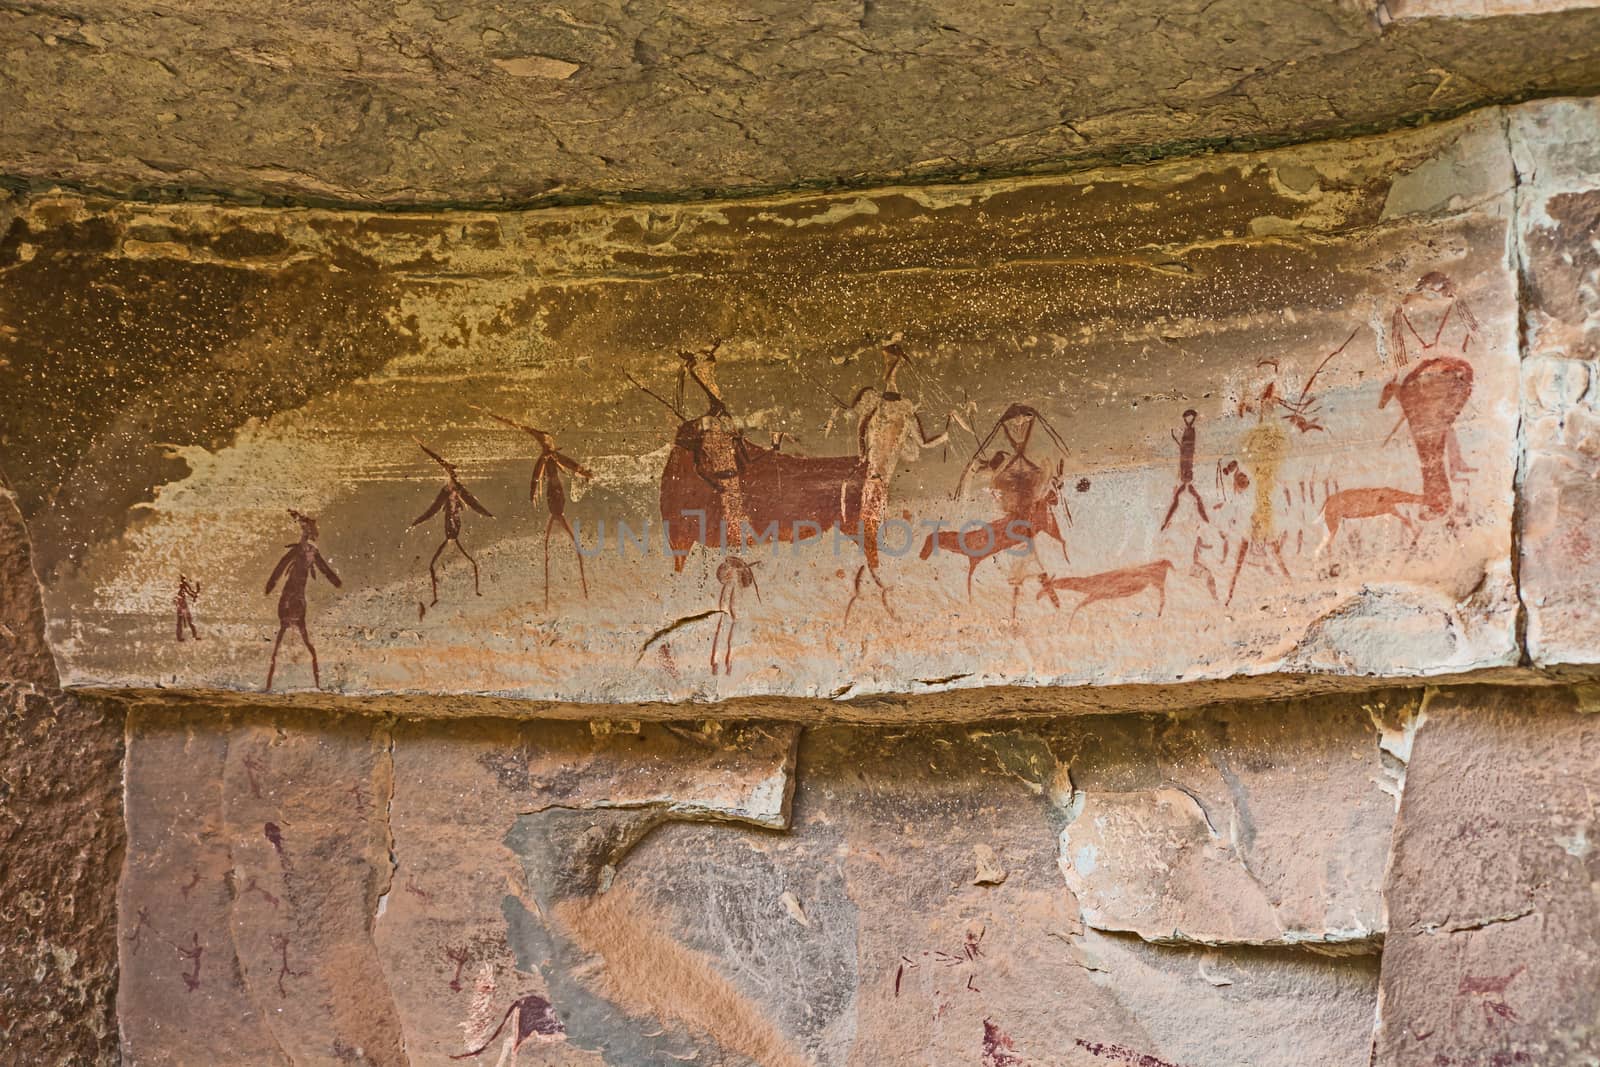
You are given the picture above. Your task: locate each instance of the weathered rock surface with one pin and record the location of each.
(1559, 215)
(61, 839)
(1493, 953)
(1341, 319)
(1242, 826)
(477, 102)
(650, 895)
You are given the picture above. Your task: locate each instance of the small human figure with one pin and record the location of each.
(451, 498)
(298, 566)
(734, 574)
(1186, 445)
(547, 474)
(181, 600)
(192, 954)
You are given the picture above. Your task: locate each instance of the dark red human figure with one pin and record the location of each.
(734, 574)
(547, 474)
(1431, 398)
(536, 1020)
(180, 601)
(192, 954)
(1186, 445)
(298, 566)
(452, 498)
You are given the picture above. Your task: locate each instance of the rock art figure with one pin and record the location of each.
(536, 1020)
(1492, 988)
(1261, 454)
(1370, 503)
(452, 498)
(547, 474)
(1113, 585)
(1028, 495)
(998, 1048)
(1186, 446)
(1432, 302)
(298, 566)
(181, 600)
(890, 430)
(1431, 398)
(720, 489)
(734, 574)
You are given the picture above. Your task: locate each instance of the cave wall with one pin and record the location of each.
(1330, 808)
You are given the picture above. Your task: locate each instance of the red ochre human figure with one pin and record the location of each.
(890, 430)
(719, 454)
(298, 566)
(180, 602)
(1186, 447)
(734, 574)
(547, 475)
(452, 498)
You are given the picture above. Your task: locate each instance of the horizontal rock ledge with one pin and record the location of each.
(945, 705)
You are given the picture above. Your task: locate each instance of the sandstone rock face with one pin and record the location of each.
(475, 102)
(1250, 417)
(1493, 954)
(61, 838)
(307, 889)
(1559, 214)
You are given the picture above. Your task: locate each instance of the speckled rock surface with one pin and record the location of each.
(1262, 407)
(482, 103)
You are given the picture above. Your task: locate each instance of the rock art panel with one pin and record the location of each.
(1493, 953)
(462, 788)
(1263, 406)
(1558, 154)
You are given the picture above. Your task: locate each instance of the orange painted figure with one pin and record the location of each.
(890, 431)
(1113, 585)
(1261, 454)
(298, 566)
(1028, 495)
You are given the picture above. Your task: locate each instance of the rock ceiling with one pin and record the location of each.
(439, 102)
